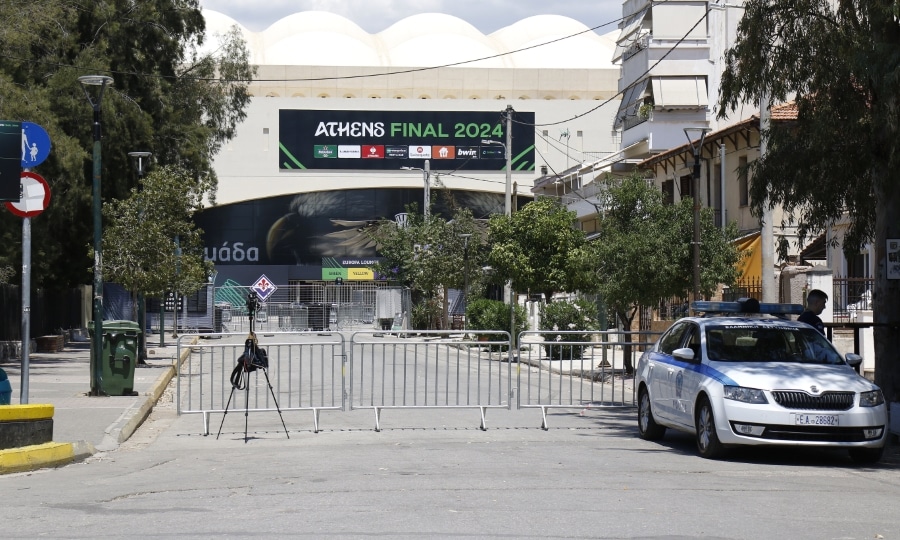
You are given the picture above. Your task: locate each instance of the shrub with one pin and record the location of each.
(563, 316)
(484, 314)
(426, 315)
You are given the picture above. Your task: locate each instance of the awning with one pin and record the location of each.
(750, 265)
(671, 92)
(631, 100)
(629, 33)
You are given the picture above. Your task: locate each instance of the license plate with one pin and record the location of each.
(816, 419)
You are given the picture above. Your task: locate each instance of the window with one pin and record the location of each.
(668, 191)
(673, 338)
(686, 182)
(743, 190)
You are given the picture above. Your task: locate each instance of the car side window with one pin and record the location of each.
(673, 338)
(692, 341)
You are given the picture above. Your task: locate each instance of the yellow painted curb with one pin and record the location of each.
(29, 458)
(18, 413)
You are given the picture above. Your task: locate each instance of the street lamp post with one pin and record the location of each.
(97, 345)
(700, 134)
(507, 207)
(465, 238)
(139, 158)
(426, 174)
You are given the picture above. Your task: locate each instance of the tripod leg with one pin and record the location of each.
(246, 405)
(277, 408)
(226, 412)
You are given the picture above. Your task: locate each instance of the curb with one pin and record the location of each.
(55, 454)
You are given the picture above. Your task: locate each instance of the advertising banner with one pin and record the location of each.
(320, 139)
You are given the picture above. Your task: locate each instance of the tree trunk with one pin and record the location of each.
(627, 346)
(886, 300)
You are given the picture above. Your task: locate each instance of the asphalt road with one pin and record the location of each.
(434, 474)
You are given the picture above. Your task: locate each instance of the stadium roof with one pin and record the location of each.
(318, 38)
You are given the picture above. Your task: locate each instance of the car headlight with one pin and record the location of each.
(746, 395)
(873, 398)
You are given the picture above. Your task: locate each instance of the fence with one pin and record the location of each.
(850, 295)
(51, 311)
(434, 370)
(305, 372)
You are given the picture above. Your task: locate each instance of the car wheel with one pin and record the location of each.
(647, 426)
(708, 444)
(866, 456)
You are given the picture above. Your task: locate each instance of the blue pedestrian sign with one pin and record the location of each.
(35, 145)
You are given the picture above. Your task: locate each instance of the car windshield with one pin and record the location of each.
(743, 343)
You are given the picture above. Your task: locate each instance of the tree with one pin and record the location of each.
(167, 98)
(643, 250)
(139, 243)
(427, 255)
(841, 158)
(539, 249)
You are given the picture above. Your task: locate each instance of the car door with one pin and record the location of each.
(659, 376)
(685, 378)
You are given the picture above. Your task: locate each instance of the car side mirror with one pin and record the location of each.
(686, 354)
(853, 359)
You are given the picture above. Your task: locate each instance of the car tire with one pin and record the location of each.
(708, 444)
(648, 429)
(866, 456)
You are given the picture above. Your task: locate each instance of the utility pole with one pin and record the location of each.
(767, 236)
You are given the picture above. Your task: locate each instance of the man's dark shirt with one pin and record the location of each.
(813, 320)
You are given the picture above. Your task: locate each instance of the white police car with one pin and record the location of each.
(742, 376)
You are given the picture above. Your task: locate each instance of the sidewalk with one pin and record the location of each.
(81, 423)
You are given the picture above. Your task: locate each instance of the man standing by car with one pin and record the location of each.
(815, 304)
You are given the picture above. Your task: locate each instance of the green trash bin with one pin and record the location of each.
(120, 353)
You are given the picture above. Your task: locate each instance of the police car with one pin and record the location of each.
(743, 374)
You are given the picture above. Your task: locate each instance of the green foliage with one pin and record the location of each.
(567, 316)
(485, 314)
(429, 256)
(426, 315)
(166, 99)
(840, 160)
(643, 251)
(539, 250)
(140, 250)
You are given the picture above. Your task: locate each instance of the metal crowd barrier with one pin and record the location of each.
(305, 371)
(578, 369)
(430, 370)
(381, 370)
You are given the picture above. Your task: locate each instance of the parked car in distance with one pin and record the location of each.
(743, 374)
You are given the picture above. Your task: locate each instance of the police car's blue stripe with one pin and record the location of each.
(702, 369)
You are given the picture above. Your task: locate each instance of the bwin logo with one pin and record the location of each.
(466, 152)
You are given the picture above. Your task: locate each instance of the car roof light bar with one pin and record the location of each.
(747, 305)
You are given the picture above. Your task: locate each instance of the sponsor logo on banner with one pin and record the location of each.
(325, 151)
(360, 274)
(419, 152)
(396, 152)
(443, 152)
(492, 152)
(330, 274)
(350, 151)
(467, 152)
(373, 151)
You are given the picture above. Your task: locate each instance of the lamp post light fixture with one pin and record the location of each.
(87, 82)
(426, 173)
(140, 159)
(696, 136)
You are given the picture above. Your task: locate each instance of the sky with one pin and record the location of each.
(373, 16)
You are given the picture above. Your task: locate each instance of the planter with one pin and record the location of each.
(50, 344)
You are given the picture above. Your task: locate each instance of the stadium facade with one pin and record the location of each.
(342, 122)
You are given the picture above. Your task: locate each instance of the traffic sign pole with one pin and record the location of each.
(26, 309)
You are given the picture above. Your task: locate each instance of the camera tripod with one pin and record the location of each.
(253, 359)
